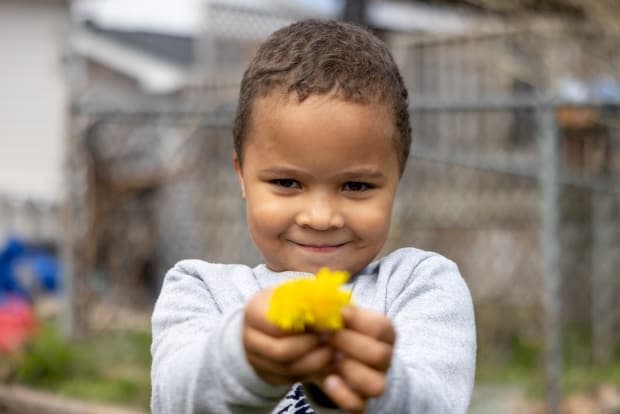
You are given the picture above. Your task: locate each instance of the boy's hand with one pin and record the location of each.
(279, 357)
(363, 355)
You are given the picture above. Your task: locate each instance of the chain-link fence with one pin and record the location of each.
(519, 183)
(519, 188)
(35, 221)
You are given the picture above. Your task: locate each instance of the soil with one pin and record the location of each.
(21, 400)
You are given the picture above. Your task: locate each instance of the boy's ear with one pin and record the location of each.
(237, 166)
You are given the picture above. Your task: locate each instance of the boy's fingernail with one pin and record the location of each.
(331, 382)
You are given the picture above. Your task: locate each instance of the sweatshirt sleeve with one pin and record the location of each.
(433, 365)
(199, 364)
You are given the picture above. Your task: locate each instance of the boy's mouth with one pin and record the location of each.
(319, 248)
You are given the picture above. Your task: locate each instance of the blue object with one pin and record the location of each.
(12, 250)
(43, 266)
(46, 269)
(606, 88)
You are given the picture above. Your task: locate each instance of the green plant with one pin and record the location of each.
(112, 366)
(49, 359)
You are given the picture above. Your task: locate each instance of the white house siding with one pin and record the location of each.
(33, 100)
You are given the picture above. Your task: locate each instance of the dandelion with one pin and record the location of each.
(310, 303)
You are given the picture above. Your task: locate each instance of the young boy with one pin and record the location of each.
(321, 136)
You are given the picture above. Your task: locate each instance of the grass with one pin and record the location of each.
(113, 367)
(581, 373)
(513, 356)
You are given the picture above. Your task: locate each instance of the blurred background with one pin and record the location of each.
(115, 134)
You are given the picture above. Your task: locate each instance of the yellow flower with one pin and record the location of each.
(305, 303)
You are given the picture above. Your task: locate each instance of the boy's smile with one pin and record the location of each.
(319, 178)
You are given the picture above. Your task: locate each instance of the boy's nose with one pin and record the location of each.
(319, 213)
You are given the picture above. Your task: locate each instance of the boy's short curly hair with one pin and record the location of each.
(320, 57)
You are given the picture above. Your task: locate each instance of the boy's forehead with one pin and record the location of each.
(282, 123)
(277, 108)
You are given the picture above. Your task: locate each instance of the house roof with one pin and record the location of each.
(160, 63)
(176, 49)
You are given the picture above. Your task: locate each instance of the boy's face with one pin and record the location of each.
(319, 179)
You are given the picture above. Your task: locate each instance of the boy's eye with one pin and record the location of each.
(356, 186)
(286, 183)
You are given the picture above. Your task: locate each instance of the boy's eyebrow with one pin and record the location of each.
(359, 172)
(363, 172)
(283, 171)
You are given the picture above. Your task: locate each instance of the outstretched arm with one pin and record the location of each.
(198, 357)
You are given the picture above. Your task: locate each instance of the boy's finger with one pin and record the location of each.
(256, 311)
(316, 364)
(363, 348)
(282, 350)
(343, 396)
(370, 323)
(270, 371)
(361, 378)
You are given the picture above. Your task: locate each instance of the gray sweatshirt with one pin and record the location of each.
(199, 363)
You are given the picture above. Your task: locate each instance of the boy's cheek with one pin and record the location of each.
(266, 225)
(373, 222)
(267, 216)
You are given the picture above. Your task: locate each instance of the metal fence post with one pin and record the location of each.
(551, 298)
(68, 296)
(68, 240)
(605, 234)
